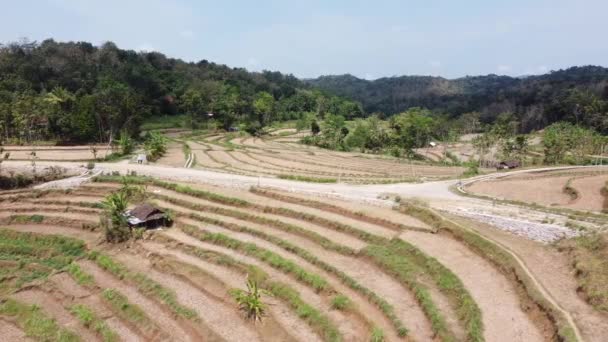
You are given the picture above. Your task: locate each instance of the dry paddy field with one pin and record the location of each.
(333, 271)
(280, 155)
(580, 189)
(59, 153)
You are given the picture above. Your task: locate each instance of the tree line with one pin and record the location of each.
(401, 134)
(578, 95)
(75, 92)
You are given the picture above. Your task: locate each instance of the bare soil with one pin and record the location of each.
(371, 311)
(291, 326)
(12, 333)
(552, 269)
(492, 292)
(159, 315)
(590, 193)
(222, 319)
(173, 157)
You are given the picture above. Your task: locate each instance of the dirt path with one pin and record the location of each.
(492, 292)
(223, 320)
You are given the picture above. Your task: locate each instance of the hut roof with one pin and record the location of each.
(145, 212)
(510, 163)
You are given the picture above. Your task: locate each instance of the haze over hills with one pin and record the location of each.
(576, 94)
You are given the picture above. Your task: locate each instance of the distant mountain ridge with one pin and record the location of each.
(536, 100)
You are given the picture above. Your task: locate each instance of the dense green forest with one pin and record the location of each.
(578, 95)
(76, 92)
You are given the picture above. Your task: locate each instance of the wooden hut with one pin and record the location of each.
(146, 215)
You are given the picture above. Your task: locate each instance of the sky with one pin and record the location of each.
(368, 39)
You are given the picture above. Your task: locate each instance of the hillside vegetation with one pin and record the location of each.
(77, 92)
(577, 94)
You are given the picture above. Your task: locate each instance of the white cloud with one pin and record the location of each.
(543, 69)
(504, 68)
(187, 34)
(369, 76)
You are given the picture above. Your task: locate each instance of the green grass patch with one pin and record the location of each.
(91, 321)
(30, 256)
(130, 312)
(23, 219)
(340, 302)
(377, 335)
(80, 276)
(35, 323)
(164, 122)
(308, 179)
(319, 322)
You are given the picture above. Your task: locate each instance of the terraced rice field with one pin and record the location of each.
(579, 189)
(281, 155)
(333, 271)
(63, 153)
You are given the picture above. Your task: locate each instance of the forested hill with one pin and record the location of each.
(577, 94)
(78, 92)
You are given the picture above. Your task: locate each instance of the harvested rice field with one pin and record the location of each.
(280, 155)
(330, 270)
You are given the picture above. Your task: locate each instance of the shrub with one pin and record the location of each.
(570, 190)
(90, 165)
(155, 146)
(472, 170)
(250, 301)
(126, 143)
(340, 302)
(112, 219)
(377, 335)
